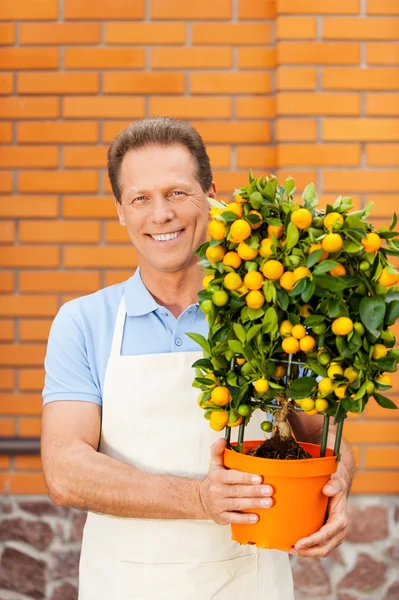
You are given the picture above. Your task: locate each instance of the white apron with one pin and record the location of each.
(151, 420)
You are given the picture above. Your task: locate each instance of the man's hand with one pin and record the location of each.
(331, 535)
(224, 492)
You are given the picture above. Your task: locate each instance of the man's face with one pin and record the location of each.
(163, 206)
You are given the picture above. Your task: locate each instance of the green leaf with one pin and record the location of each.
(340, 415)
(292, 235)
(392, 313)
(255, 313)
(240, 332)
(394, 221)
(351, 247)
(350, 404)
(235, 346)
(299, 287)
(372, 311)
(270, 319)
(384, 401)
(216, 203)
(253, 331)
(282, 298)
(333, 307)
(256, 200)
(275, 222)
(314, 257)
(301, 387)
(308, 292)
(289, 185)
(203, 362)
(228, 216)
(309, 196)
(316, 368)
(205, 381)
(199, 339)
(388, 363)
(313, 320)
(325, 266)
(353, 222)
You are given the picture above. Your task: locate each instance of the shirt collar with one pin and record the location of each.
(138, 299)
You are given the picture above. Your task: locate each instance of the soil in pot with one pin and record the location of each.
(275, 447)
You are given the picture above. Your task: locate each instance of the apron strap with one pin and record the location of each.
(119, 328)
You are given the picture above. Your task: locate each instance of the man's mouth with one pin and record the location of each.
(165, 237)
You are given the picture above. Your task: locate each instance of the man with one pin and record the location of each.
(122, 437)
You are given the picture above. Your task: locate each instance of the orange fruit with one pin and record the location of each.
(214, 253)
(315, 247)
(217, 230)
(298, 331)
(216, 211)
(338, 271)
(278, 230)
(290, 345)
(379, 351)
(220, 396)
(220, 298)
(351, 374)
(232, 281)
(388, 279)
(207, 280)
(235, 208)
(243, 289)
(265, 247)
(234, 420)
(340, 391)
(371, 243)
(332, 218)
(255, 299)
(241, 361)
(307, 404)
(385, 379)
(232, 259)
(240, 230)
(325, 386)
(321, 405)
(300, 273)
(305, 310)
(246, 252)
(279, 371)
(310, 413)
(256, 225)
(332, 242)
(261, 385)
(302, 218)
(219, 419)
(334, 369)
(285, 328)
(273, 269)
(254, 280)
(307, 343)
(342, 326)
(240, 199)
(287, 280)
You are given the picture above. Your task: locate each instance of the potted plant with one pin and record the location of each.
(299, 303)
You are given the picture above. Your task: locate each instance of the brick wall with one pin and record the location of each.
(299, 87)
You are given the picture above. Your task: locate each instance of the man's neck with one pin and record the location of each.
(175, 291)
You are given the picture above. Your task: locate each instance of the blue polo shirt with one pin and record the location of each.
(80, 338)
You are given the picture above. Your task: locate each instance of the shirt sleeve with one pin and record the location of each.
(68, 373)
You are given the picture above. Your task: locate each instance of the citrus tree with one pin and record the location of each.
(299, 303)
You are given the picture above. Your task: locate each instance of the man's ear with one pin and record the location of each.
(119, 210)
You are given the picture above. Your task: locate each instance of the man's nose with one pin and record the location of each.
(162, 210)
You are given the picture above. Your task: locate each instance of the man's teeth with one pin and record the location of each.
(165, 237)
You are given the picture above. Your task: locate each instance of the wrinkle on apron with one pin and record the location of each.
(151, 420)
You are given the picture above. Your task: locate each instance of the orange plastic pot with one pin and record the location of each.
(299, 506)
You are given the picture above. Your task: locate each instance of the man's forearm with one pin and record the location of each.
(346, 466)
(89, 480)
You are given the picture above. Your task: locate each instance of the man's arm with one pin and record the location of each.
(79, 476)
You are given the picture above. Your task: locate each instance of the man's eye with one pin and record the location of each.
(177, 192)
(138, 198)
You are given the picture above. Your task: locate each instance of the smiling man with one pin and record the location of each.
(121, 435)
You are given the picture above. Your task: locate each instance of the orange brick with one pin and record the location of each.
(371, 431)
(120, 82)
(4, 462)
(194, 57)
(296, 78)
(104, 10)
(7, 383)
(346, 181)
(31, 380)
(101, 207)
(190, 107)
(319, 53)
(115, 233)
(382, 457)
(253, 9)
(381, 78)
(58, 181)
(20, 404)
(20, 10)
(28, 58)
(375, 482)
(191, 9)
(314, 6)
(27, 463)
(100, 256)
(381, 53)
(227, 181)
(59, 231)
(5, 132)
(6, 331)
(230, 83)
(302, 178)
(57, 83)
(6, 83)
(104, 58)
(7, 34)
(304, 103)
(59, 33)
(232, 33)
(263, 157)
(112, 128)
(145, 33)
(7, 232)
(28, 206)
(26, 483)
(233, 132)
(7, 427)
(114, 277)
(27, 305)
(382, 7)
(85, 156)
(219, 156)
(354, 28)
(382, 155)
(57, 131)
(296, 130)
(262, 107)
(59, 281)
(374, 410)
(29, 427)
(382, 104)
(6, 281)
(34, 330)
(383, 204)
(32, 156)
(28, 108)
(255, 57)
(15, 355)
(103, 107)
(360, 129)
(319, 154)
(296, 28)
(6, 181)
(30, 256)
